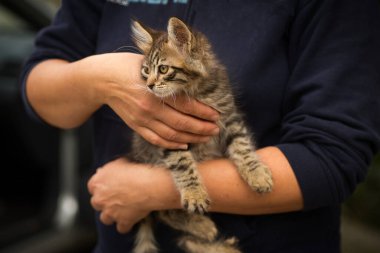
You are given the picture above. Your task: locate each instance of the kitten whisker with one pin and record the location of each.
(173, 95)
(188, 96)
(163, 104)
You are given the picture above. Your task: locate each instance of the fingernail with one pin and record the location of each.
(184, 147)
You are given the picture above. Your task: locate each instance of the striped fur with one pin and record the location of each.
(182, 61)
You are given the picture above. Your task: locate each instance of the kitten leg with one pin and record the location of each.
(197, 225)
(194, 197)
(240, 150)
(192, 245)
(144, 241)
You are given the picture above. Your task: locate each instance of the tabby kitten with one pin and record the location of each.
(181, 61)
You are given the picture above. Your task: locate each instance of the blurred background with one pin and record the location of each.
(44, 204)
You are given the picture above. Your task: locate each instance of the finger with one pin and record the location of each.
(157, 140)
(96, 204)
(91, 184)
(186, 123)
(173, 135)
(193, 107)
(123, 228)
(106, 219)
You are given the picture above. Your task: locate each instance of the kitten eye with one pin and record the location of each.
(163, 69)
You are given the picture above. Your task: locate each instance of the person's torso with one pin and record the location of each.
(250, 37)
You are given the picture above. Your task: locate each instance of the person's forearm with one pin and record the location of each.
(67, 94)
(230, 194)
(58, 92)
(125, 192)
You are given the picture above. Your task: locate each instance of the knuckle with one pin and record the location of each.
(107, 220)
(144, 120)
(93, 182)
(203, 128)
(145, 106)
(182, 124)
(91, 186)
(103, 217)
(171, 135)
(155, 140)
(123, 227)
(96, 204)
(187, 107)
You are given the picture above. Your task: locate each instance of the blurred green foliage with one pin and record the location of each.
(364, 205)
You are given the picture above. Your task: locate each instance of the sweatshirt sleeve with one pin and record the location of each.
(331, 124)
(71, 36)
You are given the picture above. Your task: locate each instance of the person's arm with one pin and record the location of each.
(66, 94)
(64, 81)
(58, 97)
(230, 194)
(125, 192)
(46, 78)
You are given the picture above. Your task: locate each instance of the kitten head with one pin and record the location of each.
(175, 60)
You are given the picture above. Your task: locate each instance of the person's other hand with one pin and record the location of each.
(120, 194)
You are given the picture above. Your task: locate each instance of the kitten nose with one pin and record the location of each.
(151, 85)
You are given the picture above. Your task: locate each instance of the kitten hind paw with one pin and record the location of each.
(145, 247)
(202, 227)
(194, 245)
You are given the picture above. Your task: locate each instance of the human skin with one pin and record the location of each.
(115, 80)
(124, 192)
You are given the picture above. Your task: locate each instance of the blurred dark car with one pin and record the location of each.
(43, 198)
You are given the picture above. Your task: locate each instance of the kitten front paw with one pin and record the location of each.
(195, 200)
(260, 179)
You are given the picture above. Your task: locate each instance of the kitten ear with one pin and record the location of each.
(179, 34)
(141, 36)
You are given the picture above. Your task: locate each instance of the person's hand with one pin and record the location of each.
(118, 194)
(124, 192)
(170, 123)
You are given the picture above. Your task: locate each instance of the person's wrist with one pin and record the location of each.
(114, 75)
(86, 80)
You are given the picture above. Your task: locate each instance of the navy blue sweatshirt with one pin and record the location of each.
(306, 74)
